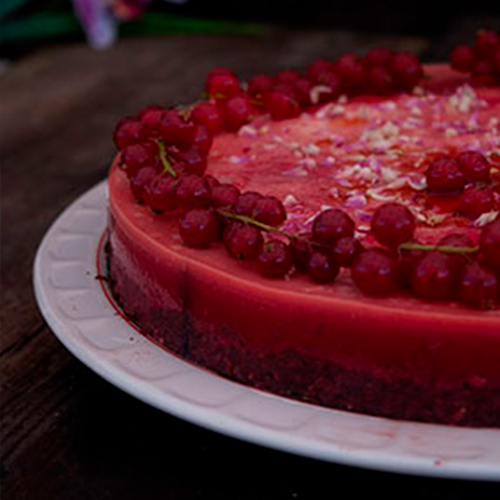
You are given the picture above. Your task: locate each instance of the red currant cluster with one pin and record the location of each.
(283, 95)
(482, 60)
(467, 175)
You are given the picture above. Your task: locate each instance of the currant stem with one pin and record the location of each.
(167, 168)
(444, 248)
(250, 220)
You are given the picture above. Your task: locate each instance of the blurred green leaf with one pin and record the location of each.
(9, 6)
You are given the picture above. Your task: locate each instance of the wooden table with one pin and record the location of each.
(66, 433)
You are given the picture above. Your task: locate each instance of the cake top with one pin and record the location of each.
(371, 164)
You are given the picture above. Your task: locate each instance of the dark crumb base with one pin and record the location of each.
(379, 392)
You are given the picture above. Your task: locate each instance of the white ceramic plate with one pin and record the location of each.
(78, 310)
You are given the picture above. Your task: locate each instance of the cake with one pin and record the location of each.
(332, 331)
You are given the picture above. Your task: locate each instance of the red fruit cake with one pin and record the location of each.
(330, 236)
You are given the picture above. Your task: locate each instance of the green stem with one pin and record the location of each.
(249, 220)
(167, 168)
(444, 248)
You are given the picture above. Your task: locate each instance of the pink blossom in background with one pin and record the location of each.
(100, 18)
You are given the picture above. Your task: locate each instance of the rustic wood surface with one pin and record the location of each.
(66, 433)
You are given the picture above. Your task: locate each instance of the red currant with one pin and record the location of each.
(475, 201)
(199, 228)
(332, 87)
(136, 156)
(302, 249)
(140, 180)
(128, 131)
(177, 130)
(408, 259)
(237, 112)
(217, 72)
(376, 57)
(393, 224)
(281, 105)
(319, 67)
(375, 272)
(433, 277)
(463, 59)
(322, 268)
(345, 250)
(457, 240)
(406, 70)
(349, 68)
(331, 225)
(275, 259)
(474, 166)
(159, 194)
(478, 286)
(489, 244)
(151, 117)
(191, 160)
(444, 176)
(246, 202)
(269, 210)
(258, 85)
(223, 86)
(302, 88)
(242, 240)
(486, 41)
(193, 191)
(225, 196)
(209, 114)
(379, 81)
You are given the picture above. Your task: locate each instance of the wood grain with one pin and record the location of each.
(67, 434)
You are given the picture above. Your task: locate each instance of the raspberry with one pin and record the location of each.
(224, 196)
(269, 210)
(474, 166)
(489, 244)
(379, 81)
(159, 194)
(322, 268)
(136, 156)
(281, 106)
(237, 112)
(475, 201)
(345, 250)
(242, 241)
(375, 272)
(331, 225)
(406, 70)
(393, 224)
(128, 131)
(209, 114)
(275, 259)
(463, 59)
(478, 286)
(175, 129)
(193, 191)
(199, 228)
(444, 176)
(433, 277)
